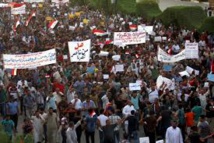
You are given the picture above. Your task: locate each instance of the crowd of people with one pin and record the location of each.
(60, 102)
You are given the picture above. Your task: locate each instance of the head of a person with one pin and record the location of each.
(134, 94)
(7, 117)
(133, 112)
(37, 113)
(174, 123)
(51, 110)
(202, 118)
(87, 98)
(101, 111)
(71, 124)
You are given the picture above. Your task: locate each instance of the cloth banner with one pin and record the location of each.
(18, 10)
(79, 51)
(191, 50)
(31, 60)
(34, 1)
(129, 38)
(166, 58)
(60, 1)
(147, 29)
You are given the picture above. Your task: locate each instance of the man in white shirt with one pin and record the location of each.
(105, 99)
(58, 95)
(76, 102)
(173, 134)
(153, 94)
(101, 123)
(127, 112)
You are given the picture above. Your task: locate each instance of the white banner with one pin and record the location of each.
(191, 51)
(34, 1)
(134, 86)
(60, 1)
(18, 10)
(148, 29)
(166, 58)
(32, 60)
(79, 51)
(129, 38)
(4, 5)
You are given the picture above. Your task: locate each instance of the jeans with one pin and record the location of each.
(3, 109)
(101, 136)
(134, 136)
(89, 135)
(14, 118)
(116, 136)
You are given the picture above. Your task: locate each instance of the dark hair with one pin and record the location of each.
(101, 111)
(133, 112)
(203, 116)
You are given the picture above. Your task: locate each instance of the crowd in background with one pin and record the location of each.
(62, 102)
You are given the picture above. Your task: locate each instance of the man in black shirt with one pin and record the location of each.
(133, 127)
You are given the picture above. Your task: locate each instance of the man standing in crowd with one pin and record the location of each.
(173, 134)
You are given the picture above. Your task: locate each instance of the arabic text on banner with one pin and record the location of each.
(129, 38)
(32, 60)
(166, 58)
(79, 51)
(18, 10)
(191, 51)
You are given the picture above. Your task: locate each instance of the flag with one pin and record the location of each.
(14, 72)
(16, 25)
(99, 32)
(133, 27)
(107, 42)
(33, 14)
(52, 24)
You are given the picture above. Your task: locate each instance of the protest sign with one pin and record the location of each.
(129, 38)
(116, 57)
(105, 76)
(147, 29)
(34, 1)
(167, 67)
(158, 39)
(166, 58)
(210, 77)
(134, 86)
(32, 60)
(60, 1)
(190, 70)
(184, 73)
(119, 68)
(160, 141)
(169, 83)
(191, 50)
(18, 10)
(79, 51)
(144, 140)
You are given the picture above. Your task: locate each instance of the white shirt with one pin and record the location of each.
(153, 95)
(78, 104)
(173, 135)
(127, 110)
(57, 96)
(71, 134)
(102, 118)
(105, 100)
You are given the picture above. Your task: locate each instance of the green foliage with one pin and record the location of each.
(183, 16)
(208, 25)
(149, 9)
